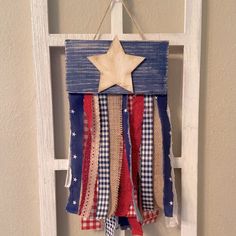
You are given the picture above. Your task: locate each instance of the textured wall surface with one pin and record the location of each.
(18, 169)
(217, 157)
(19, 210)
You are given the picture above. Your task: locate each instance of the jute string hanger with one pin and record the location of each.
(109, 7)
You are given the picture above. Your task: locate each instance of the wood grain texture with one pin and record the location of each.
(150, 77)
(190, 113)
(175, 39)
(44, 119)
(190, 39)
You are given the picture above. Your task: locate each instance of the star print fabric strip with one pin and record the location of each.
(93, 159)
(167, 168)
(147, 155)
(76, 150)
(103, 160)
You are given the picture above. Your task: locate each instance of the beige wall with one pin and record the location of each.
(18, 168)
(217, 160)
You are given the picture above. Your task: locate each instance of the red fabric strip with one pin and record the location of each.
(136, 227)
(88, 110)
(136, 107)
(136, 120)
(92, 222)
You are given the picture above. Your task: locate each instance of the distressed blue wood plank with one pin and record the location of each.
(150, 77)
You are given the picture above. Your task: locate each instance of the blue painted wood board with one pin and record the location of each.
(150, 77)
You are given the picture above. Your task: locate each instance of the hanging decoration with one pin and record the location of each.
(120, 150)
(120, 134)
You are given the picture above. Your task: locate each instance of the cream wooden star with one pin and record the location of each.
(115, 67)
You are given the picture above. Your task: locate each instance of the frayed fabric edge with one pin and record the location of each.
(68, 172)
(172, 221)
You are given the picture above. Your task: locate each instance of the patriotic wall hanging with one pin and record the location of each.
(120, 173)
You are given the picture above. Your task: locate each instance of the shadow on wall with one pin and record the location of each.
(202, 120)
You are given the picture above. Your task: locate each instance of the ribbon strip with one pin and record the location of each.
(76, 150)
(93, 160)
(147, 155)
(116, 148)
(168, 182)
(170, 197)
(111, 224)
(88, 122)
(92, 222)
(125, 190)
(103, 160)
(127, 130)
(158, 182)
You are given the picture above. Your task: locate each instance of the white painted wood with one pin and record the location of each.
(190, 39)
(117, 18)
(176, 39)
(116, 29)
(44, 119)
(190, 113)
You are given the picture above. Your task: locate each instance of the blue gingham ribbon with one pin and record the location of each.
(76, 150)
(146, 154)
(103, 160)
(111, 224)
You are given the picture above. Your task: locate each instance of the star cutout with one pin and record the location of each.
(73, 134)
(74, 202)
(74, 156)
(115, 67)
(72, 111)
(75, 179)
(171, 203)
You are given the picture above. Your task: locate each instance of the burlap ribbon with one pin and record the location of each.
(158, 183)
(93, 160)
(116, 148)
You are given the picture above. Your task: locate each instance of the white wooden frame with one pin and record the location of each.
(190, 39)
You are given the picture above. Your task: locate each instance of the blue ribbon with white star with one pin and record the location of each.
(166, 129)
(103, 160)
(76, 150)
